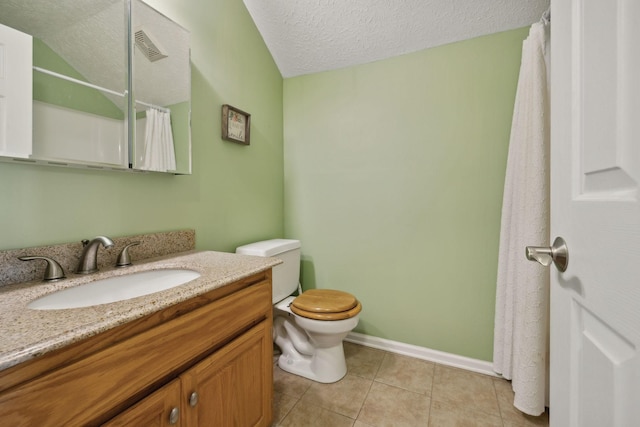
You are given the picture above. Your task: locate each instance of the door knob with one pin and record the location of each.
(558, 253)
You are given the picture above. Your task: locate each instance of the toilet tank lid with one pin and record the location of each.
(268, 247)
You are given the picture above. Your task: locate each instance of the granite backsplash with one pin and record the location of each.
(12, 270)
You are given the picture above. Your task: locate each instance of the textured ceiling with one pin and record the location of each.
(309, 36)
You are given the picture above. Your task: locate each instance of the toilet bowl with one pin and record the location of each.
(312, 348)
(309, 329)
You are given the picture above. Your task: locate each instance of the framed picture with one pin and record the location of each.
(236, 125)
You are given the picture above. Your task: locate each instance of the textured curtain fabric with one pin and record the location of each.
(159, 153)
(522, 298)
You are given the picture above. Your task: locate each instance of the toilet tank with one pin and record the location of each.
(286, 276)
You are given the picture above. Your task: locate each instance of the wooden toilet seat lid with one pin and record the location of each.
(326, 304)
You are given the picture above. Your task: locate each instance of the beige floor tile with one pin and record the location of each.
(362, 361)
(504, 394)
(344, 397)
(314, 416)
(468, 390)
(527, 421)
(450, 415)
(511, 416)
(406, 372)
(282, 404)
(286, 383)
(388, 406)
(405, 392)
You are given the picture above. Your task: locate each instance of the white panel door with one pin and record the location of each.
(16, 73)
(595, 174)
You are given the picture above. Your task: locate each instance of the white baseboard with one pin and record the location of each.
(449, 359)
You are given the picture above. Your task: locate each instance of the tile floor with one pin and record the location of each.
(384, 389)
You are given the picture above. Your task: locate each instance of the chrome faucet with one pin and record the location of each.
(89, 258)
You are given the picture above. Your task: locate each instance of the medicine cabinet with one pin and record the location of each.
(103, 84)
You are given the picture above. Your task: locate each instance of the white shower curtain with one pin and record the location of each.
(159, 152)
(521, 322)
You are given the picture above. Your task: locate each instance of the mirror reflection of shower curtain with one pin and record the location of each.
(159, 153)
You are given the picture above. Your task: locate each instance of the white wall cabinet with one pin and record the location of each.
(15, 92)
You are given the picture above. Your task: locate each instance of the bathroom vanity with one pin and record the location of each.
(197, 354)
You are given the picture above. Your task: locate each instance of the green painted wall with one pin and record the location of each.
(394, 174)
(235, 194)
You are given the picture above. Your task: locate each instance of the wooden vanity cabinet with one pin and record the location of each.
(156, 410)
(217, 345)
(225, 389)
(231, 391)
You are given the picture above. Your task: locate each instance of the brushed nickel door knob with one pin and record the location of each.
(558, 253)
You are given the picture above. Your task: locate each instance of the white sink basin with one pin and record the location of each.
(114, 289)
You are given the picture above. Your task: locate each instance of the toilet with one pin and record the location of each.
(308, 329)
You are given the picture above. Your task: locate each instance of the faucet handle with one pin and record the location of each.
(53, 271)
(124, 258)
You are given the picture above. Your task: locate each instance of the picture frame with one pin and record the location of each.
(236, 125)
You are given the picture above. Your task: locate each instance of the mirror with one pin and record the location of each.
(81, 113)
(162, 85)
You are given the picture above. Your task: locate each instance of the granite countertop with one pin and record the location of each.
(28, 333)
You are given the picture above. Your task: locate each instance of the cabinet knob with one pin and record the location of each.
(174, 415)
(193, 399)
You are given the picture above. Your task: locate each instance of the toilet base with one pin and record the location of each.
(326, 365)
(311, 348)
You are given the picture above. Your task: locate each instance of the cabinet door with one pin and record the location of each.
(235, 384)
(15, 92)
(160, 409)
